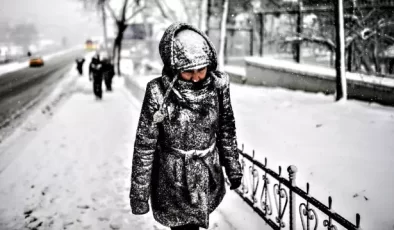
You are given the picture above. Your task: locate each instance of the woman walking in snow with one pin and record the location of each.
(186, 133)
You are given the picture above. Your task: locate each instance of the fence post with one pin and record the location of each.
(292, 177)
(261, 50)
(251, 42)
(299, 31)
(341, 85)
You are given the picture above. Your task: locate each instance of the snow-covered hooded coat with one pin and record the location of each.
(186, 133)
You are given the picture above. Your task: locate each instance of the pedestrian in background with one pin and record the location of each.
(80, 62)
(95, 60)
(95, 74)
(108, 71)
(186, 133)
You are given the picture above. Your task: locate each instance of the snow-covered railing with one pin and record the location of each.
(257, 191)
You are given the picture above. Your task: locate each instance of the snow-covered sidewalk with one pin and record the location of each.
(344, 150)
(73, 173)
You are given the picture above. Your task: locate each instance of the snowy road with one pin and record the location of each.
(22, 89)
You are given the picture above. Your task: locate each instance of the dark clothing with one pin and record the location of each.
(108, 74)
(95, 74)
(391, 66)
(97, 80)
(186, 133)
(186, 227)
(95, 61)
(80, 63)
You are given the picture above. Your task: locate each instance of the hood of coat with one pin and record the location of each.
(178, 54)
(178, 57)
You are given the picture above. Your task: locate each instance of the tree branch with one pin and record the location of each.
(135, 13)
(388, 37)
(354, 18)
(112, 12)
(366, 17)
(187, 10)
(124, 10)
(172, 12)
(132, 5)
(314, 39)
(163, 12)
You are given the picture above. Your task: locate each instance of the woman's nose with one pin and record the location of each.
(195, 77)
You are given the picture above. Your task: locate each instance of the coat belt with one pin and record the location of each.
(194, 168)
(194, 153)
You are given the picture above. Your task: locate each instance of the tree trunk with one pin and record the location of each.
(350, 58)
(119, 55)
(115, 46)
(119, 38)
(208, 16)
(376, 47)
(115, 52)
(104, 20)
(223, 28)
(364, 59)
(203, 15)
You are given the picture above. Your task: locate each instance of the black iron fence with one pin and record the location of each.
(274, 198)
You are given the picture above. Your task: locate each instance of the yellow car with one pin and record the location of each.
(90, 45)
(36, 62)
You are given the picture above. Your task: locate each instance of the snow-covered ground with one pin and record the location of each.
(344, 150)
(14, 66)
(73, 172)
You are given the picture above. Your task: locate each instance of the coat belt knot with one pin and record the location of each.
(195, 167)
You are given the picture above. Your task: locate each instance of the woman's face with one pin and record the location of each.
(194, 75)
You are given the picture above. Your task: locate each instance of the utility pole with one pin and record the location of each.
(223, 31)
(341, 86)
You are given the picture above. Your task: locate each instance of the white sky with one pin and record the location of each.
(54, 18)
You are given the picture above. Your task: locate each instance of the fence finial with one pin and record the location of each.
(358, 219)
(292, 169)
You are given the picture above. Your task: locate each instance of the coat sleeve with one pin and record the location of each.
(144, 148)
(227, 140)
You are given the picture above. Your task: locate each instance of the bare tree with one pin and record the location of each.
(189, 11)
(127, 12)
(367, 33)
(99, 6)
(165, 11)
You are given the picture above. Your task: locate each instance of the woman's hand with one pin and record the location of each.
(139, 207)
(235, 183)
